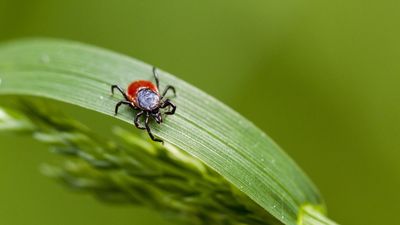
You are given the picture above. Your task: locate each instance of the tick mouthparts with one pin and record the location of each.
(158, 118)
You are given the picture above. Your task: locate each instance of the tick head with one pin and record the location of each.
(157, 116)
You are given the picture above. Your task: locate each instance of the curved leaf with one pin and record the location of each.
(204, 127)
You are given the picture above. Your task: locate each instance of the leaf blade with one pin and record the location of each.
(204, 127)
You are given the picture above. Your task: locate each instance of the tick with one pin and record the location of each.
(143, 95)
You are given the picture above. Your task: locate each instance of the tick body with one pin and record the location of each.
(144, 96)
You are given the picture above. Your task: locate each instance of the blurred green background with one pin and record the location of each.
(321, 77)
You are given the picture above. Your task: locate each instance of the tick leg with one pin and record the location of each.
(156, 77)
(149, 131)
(120, 90)
(169, 87)
(169, 103)
(137, 120)
(119, 104)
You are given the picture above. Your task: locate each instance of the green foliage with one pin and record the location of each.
(203, 127)
(126, 169)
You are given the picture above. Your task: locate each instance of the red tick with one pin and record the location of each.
(144, 96)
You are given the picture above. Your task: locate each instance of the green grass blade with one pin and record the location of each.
(204, 127)
(310, 215)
